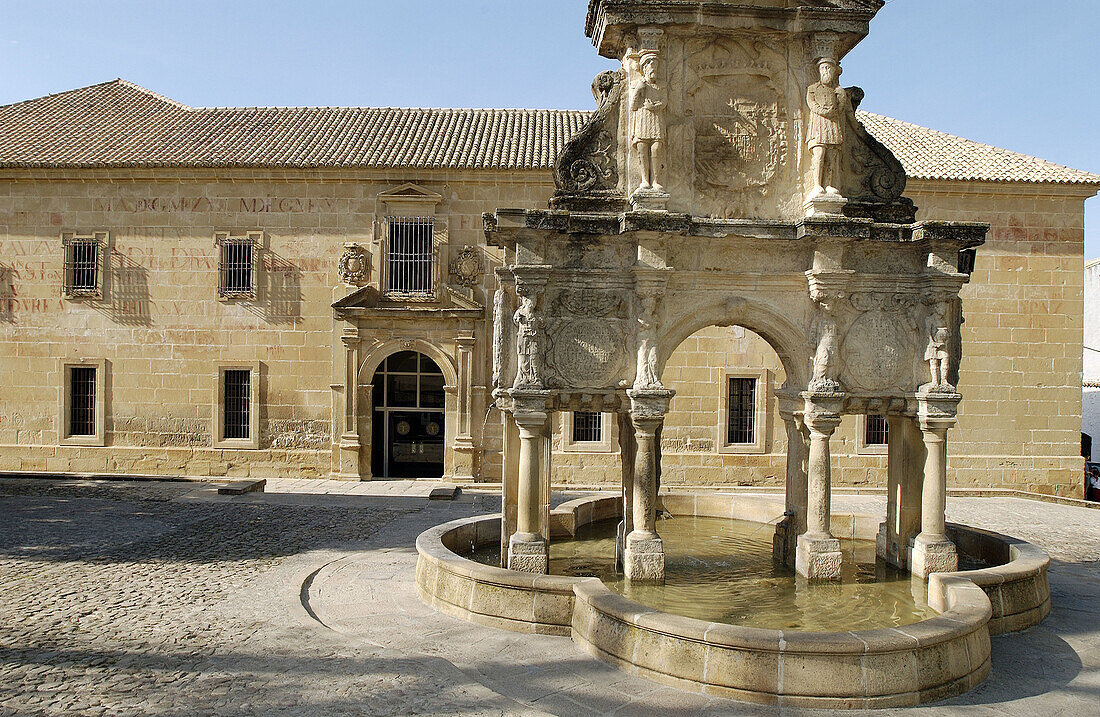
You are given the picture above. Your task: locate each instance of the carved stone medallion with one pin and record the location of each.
(873, 351)
(587, 352)
(354, 265)
(466, 266)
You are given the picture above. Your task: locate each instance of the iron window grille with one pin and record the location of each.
(237, 403)
(742, 411)
(237, 265)
(410, 256)
(82, 401)
(876, 431)
(83, 270)
(587, 427)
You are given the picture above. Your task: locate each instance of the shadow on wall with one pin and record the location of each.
(7, 295)
(278, 290)
(126, 292)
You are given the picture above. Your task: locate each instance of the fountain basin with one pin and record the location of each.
(926, 661)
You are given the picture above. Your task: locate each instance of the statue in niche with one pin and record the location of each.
(647, 377)
(528, 335)
(829, 109)
(647, 124)
(937, 354)
(826, 356)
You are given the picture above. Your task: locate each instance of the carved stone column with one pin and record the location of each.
(464, 449)
(817, 555)
(931, 551)
(528, 549)
(904, 479)
(350, 443)
(627, 453)
(644, 556)
(794, 520)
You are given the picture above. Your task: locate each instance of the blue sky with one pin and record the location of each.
(1019, 74)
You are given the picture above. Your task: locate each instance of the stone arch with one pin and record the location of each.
(378, 354)
(788, 341)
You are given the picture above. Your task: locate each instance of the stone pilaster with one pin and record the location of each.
(817, 555)
(644, 555)
(794, 520)
(931, 551)
(465, 451)
(528, 549)
(350, 447)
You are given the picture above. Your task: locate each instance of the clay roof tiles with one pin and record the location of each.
(118, 124)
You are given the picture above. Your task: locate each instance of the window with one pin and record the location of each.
(237, 403)
(82, 401)
(236, 264)
(83, 269)
(876, 431)
(410, 256)
(83, 406)
(587, 427)
(742, 411)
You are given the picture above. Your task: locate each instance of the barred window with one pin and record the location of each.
(742, 411)
(236, 265)
(876, 431)
(410, 255)
(83, 270)
(237, 403)
(587, 427)
(82, 401)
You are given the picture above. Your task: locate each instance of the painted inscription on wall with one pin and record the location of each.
(242, 205)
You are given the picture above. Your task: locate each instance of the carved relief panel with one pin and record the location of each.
(586, 337)
(739, 124)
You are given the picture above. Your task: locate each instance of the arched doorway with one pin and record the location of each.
(409, 416)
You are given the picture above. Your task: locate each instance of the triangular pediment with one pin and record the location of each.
(370, 299)
(411, 192)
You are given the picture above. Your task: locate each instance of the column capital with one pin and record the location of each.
(822, 422)
(651, 403)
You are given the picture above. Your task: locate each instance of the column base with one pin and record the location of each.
(644, 558)
(528, 553)
(936, 555)
(818, 557)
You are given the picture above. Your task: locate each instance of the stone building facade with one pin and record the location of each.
(193, 291)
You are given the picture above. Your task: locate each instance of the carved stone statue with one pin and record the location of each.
(937, 354)
(826, 366)
(647, 123)
(829, 106)
(528, 337)
(648, 376)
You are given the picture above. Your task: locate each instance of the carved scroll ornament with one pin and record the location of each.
(587, 162)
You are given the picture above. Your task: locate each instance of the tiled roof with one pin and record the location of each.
(118, 124)
(931, 154)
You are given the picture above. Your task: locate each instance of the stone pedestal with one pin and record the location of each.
(650, 200)
(825, 205)
(528, 553)
(932, 555)
(644, 558)
(818, 557)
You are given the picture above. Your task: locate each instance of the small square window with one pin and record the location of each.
(410, 256)
(587, 427)
(237, 265)
(238, 403)
(82, 400)
(876, 431)
(741, 428)
(83, 270)
(83, 404)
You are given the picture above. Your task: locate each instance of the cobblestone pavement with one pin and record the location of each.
(162, 598)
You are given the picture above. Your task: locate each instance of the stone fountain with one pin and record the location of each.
(725, 179)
